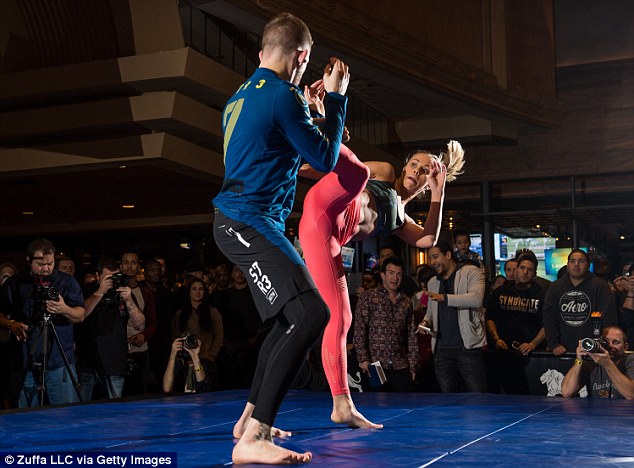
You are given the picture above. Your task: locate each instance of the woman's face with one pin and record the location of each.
(197, 291)
(415, 172)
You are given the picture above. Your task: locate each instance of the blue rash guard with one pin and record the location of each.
(267, 131)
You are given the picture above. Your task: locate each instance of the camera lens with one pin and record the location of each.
(590, 345)
(190, 341)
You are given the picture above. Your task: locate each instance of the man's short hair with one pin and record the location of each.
(460, 232)
(152, 261)
(585, 254)
(529, 258)
(287, 32)
(131, 251)
(444, 247)
(107, 262)
(391, 261)
(43, 245)
(387, 247)
(605, 331)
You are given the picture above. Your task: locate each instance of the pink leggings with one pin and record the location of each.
(330, 218)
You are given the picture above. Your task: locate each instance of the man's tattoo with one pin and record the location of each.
(264, 432)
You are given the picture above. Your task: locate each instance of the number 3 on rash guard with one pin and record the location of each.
(232, 111)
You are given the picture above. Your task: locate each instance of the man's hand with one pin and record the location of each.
(105, 284)
(501, 344)
(137, 340)
(526, 348)
(559, 350)
(57, 307)
(125, 292)
(600, 357)
(365, 366)
(336, 76)
(434, 296)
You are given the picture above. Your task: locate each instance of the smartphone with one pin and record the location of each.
(427, 329)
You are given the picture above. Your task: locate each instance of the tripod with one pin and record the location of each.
(46, 327)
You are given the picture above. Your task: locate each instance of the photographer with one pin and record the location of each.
(203, 320)
(102, 346)
(607, 372)
(29, 302)
(185, 367)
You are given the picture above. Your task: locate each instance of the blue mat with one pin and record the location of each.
(421, 429)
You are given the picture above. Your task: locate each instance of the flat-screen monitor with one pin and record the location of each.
(505, 247)
(372, 261)
(557, 258)
(347, 256)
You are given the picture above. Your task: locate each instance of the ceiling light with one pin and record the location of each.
(127, 206)
(28, 212)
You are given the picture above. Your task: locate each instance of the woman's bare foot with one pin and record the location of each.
(241, 425)
(344, 412)
(256, 446)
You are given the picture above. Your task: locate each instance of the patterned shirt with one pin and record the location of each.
(385, 331)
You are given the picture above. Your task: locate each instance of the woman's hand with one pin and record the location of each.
(177, 345)
(437, 177)
(315, 95)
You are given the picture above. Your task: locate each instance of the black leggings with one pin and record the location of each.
(298, 327)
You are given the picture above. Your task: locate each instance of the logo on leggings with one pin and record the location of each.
(263, 283)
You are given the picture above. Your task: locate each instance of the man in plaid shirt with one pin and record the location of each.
(385, 330)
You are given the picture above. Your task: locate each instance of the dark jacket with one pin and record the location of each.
(575, 312)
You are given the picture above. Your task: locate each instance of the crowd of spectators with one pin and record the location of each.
(129, 329)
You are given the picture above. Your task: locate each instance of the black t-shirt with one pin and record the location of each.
(102, 342)
(517, 313)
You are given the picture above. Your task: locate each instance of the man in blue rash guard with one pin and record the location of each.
(267, 131)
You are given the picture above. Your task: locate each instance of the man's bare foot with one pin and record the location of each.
(241, 425)
(256, 446)
(344, 412)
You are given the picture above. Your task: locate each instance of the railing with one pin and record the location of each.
(237, 49)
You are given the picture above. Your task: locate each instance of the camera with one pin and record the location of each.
(190, 341)
(45, 292)
(591, 345)
(119, 280)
